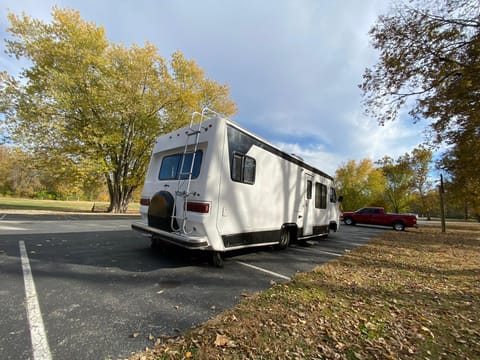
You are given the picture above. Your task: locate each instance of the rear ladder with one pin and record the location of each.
(184, 179)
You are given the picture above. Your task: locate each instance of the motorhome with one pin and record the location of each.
(216, 186)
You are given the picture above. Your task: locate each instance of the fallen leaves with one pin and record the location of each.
(406, 295)
(221, 340)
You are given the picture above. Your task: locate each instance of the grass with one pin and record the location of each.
(7, 203)
(406, 295)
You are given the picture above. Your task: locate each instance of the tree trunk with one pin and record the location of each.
(120, 195)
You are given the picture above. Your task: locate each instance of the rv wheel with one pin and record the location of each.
(216, 259)
(284, 239)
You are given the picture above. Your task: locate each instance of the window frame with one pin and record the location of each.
(320, 196)
(241, 177)
(333, 195)
(309, 189)
(195, 174)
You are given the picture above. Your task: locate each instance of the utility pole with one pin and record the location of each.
(441, 190)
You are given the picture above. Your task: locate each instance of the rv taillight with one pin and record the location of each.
(203, 208)
(145, 201)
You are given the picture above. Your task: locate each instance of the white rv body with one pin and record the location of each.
(239, 191)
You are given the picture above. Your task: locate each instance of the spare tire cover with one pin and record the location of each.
(160, 211)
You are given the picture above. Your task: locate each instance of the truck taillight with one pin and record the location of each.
(203, 208)
(145, 201)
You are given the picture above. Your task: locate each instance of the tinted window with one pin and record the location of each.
(309, 189)
(249, 170)
(320, 196)
(237, 167)
(170, 168)
(333, 195)
(243, 168)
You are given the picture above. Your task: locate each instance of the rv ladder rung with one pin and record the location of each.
(179, 217)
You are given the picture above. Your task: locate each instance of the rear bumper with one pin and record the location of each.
(190, 242)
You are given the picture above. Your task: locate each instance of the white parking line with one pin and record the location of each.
(3, 216)
(264, 270)
(329, 253)
(41, 350)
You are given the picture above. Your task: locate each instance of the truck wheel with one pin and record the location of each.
(398, 226)
(349, 221)
(216, 259)
(284, 239)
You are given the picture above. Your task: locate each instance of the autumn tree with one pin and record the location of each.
(18, 175)
(360, 184)
(398, 175)
(95, 103)
(420, 162)
(429, 63)
(461, 163)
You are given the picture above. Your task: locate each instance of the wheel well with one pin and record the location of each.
(292, 228)
(333, 226)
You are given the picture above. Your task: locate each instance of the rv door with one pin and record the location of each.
(308, 216)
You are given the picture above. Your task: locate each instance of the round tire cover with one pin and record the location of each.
(160, 211)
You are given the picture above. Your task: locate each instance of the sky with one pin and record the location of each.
(292, 66)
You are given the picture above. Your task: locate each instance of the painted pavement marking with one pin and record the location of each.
(41, 350)
(264, 270)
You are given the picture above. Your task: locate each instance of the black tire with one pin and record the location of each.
(284, 239)
(398, 226)
(216, 259)
(348, 221)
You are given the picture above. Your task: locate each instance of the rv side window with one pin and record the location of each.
(309, 189)
(243, 168)
(333, 195)
(170, 167)
(237, 167)
(320, 196)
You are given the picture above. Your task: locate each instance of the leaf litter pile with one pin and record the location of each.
(403, 295)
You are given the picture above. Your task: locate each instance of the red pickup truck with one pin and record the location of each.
(378, 216)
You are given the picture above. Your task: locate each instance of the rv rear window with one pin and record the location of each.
(170, 168)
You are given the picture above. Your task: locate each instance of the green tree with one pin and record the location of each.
(398, 175)
(464, 183)
(96, 103)
(360, 184)
(430, 63)
(18, 175)
(419, 162)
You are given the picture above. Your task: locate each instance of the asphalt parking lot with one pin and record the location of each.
(102, 293)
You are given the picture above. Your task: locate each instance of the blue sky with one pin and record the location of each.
(293, 66)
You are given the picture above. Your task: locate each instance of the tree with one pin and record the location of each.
(419, 162)
(360, 184)
(96, 103)
(398, 175)
(429, 52)
(464, 183)
(18, 175)
(430, 63)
